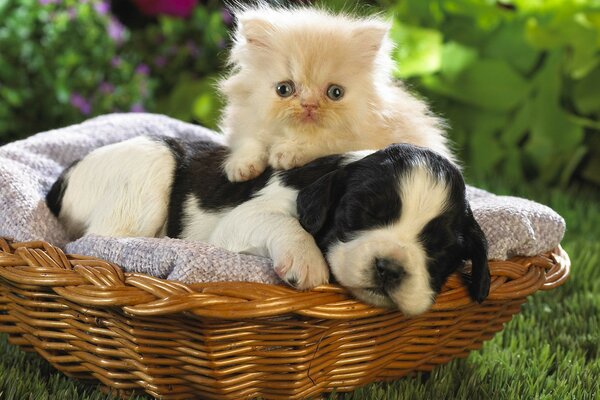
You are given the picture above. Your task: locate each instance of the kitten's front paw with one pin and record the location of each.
(286, 156)
(242, 166)
(302, 267)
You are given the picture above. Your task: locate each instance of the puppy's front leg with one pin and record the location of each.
(296, 257)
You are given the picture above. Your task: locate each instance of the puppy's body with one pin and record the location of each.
(311, 51)
(392, 224)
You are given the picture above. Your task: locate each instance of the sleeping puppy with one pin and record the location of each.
(393, 224)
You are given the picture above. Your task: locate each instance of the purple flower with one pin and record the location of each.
(116, 30)
(226, 16)
(160, 61)
(192, 49)
(72, 13)
(80, 102)
(177, 8)
(142, 69)
(116, 61)
(137, 107)
(102, 7)
(106, 87)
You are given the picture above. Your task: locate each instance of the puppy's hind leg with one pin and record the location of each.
(120, 190)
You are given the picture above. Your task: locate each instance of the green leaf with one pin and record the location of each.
(420, 12)
(207, 104)
(512, 165)
(179, 102)
(540, 35)
(485, 151)
(573, 163)
(554, 137)
(455, 58)
(466, 31)
(579, 35)
(507, 44)
(488, 84)
(591, 166)
(418, 50)
(519, 124)
(11, 96)
(586, 93)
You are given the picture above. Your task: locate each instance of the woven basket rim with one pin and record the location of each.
(90, 281)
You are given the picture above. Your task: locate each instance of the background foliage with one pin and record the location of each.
(63, 61)
(60, 63)
(517, 80)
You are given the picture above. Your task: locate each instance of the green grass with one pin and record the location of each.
(548, 351)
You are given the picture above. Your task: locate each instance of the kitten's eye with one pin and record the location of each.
(285, 89)
(335, 92)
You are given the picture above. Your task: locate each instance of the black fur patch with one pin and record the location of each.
(199, 172)
(301, 177)
(55, 196)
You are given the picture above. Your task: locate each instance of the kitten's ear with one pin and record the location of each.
(256, 31)
(370, 37)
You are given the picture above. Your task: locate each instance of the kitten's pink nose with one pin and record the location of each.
(309, 106)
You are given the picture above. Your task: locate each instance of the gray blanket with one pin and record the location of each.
(513, 226)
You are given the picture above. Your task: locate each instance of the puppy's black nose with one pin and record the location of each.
(389, 272)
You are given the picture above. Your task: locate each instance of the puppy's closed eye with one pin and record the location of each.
(438, 235)
(372, 211)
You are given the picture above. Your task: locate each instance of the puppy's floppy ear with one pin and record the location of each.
(315, 201)
(476, 246)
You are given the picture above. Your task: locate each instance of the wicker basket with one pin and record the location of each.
(134, 332)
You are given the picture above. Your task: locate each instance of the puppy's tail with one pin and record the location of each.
(55, 196)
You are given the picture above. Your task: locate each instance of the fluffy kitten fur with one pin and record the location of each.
(314, 49)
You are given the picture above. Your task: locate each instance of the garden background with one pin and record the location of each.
(517, 80)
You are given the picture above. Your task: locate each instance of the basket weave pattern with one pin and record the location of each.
(130, 331)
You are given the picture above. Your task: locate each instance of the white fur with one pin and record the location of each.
(198, 224)
(268, 225)
(314, 48)
(120, 190)
(423, 198)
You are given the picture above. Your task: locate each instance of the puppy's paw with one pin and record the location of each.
(287, 156)
(302, 268)
(242, 166)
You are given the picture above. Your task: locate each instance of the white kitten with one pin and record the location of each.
(307, 83)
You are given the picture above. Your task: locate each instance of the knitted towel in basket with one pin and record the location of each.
(513, 226)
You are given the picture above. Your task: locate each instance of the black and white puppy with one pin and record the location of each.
(393, 224)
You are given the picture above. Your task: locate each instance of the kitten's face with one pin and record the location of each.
(309, 70)
(316, 83)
